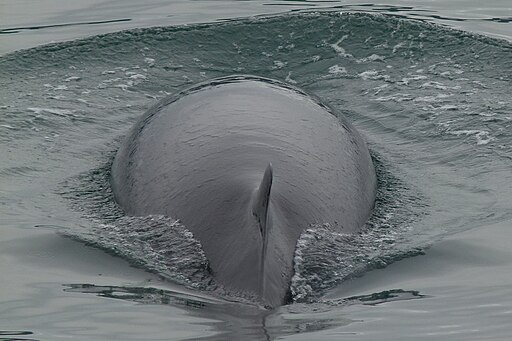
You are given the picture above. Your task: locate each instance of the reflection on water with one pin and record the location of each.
(138, 294)
(230, 320)
(384, 297)
(249, 322)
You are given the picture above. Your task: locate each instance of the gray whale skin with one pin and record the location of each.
(247, 164)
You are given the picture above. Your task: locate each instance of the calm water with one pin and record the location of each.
(434, 262)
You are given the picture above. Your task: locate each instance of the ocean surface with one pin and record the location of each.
(428, 83)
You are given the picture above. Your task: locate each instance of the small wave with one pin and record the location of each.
(279, 64)
(337, 70)
(433, 98)
(155, 243)
(398, 97)
(58, 112)
(340, 50)
(373, 75)
(482, 136)
(72, 79)
(372, 58)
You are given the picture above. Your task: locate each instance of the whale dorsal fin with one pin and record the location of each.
(261, 202)
(260, 206)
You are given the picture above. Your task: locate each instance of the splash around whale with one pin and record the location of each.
(247, 164)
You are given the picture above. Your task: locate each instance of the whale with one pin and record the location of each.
(247, 164)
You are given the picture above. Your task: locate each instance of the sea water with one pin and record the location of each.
(433, 102)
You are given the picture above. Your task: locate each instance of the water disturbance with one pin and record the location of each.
(433, 103)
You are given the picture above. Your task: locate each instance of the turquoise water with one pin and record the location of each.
(433, 103)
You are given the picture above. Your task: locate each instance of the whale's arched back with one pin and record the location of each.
(247, 164)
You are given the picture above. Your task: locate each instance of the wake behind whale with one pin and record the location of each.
(247, 164)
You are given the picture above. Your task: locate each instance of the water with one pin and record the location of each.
(433, 103)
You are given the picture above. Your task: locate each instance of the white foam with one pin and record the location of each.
(446, 124)
(340, 50)
(149, 61)
(337, 70)
(109, 81)
(480, 84)
(379, 88)
(279, 64)
(436, 98)
(137, 76)
(373, 58)
(289, 78)
(412, 77)
(58, 112)
(482, 136)
(373, 75)
(466, 132)
(399, 97)
(435, 85)
(398, 46)
(449, 107)
(72, 78)
(124, 87)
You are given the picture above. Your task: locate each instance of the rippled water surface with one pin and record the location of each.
(434, 104)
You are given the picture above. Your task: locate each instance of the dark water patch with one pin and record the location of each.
(12, 335)
(385, 297)
(504, 20)
(144, 295)
(11, 30)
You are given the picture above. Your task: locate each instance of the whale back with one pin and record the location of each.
(247, 164)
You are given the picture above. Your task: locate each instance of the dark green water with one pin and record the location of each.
(433, 262)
